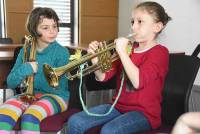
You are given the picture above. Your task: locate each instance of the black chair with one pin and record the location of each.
(6, 41)
(179, 81)
(196, 51)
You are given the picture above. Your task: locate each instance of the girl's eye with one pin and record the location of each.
(139, 21)
(45, 28)
(132, 22)
(55, 26)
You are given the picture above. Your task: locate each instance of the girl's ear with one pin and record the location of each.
(158, 27)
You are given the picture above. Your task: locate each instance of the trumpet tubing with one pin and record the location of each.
(104, 63)
(52, 74)
(28, 96)
(91, 69)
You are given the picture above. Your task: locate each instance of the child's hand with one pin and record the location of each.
(34, 65)
(121, 45)
(93, 46)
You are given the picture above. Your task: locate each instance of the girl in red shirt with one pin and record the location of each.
(145, 67)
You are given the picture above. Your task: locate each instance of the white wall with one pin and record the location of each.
(181, 34)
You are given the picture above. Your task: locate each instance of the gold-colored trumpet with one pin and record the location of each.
(105, 60)
(28, 97)
(52, 74)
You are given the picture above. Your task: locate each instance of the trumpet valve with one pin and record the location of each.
(105, 61)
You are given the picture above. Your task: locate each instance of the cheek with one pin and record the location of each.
(43, 36)
(147, 29)
(143, 30)
(40, 32)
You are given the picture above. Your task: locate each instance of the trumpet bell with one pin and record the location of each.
(50, 75)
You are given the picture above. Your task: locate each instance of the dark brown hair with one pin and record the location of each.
(36, 15)
(156, 10)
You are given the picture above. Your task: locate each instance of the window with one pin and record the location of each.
(66, 10)
(2, 18)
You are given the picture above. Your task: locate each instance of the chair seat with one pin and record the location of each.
(163, 129)
(53, 123)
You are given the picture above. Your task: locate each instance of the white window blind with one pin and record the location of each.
(63, 10)
(2, 19)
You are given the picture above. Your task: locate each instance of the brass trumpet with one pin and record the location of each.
(105, 59)
(28, 97)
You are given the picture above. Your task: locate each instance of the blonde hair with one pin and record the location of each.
(156, 10)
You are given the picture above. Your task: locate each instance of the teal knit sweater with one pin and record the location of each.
(55, 55)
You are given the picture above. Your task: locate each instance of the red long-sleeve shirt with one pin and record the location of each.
(153, 67)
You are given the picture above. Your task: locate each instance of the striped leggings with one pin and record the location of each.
(32, 115)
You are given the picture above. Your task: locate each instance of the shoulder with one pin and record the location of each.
(159, 50)
(60, 49)
(159, 55)
(61, 52)
(20, 51)
(59, 46)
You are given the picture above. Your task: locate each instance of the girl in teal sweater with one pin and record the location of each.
(43, 26)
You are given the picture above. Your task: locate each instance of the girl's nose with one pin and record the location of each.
(52, 30)
(134, 27)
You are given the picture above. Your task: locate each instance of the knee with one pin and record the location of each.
(75, 124)
(73, 121)
(108, 129)
(184, 118)
(29, 118)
